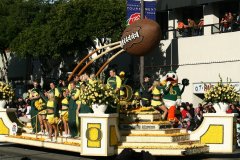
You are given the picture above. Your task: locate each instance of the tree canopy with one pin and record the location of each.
(37, 28)
(53, 29)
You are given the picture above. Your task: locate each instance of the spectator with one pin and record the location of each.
(200, 26)
(232, 109)
(230, 21)
(186, 117)
(181, 28)
(190, 109)
(211, 109)
(185, 114)
(192, 27)
(224, 23)
(237, 23)
(198, 118)
(21, 109)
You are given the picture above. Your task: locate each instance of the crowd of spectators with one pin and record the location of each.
(230, 22)
(191, 28)
(191, 117)
(23, 107)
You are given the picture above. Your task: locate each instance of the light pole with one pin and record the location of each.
(142, 57)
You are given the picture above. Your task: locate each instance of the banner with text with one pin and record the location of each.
(134, 10)
(201, 88)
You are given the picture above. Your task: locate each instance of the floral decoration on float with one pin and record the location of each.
(99, 96)
(6, 94)
(222, 95)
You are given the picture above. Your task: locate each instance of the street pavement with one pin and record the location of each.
(10, 151)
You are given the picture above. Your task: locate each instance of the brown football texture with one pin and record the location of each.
(141, 37)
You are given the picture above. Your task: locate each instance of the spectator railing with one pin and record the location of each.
(215, 28)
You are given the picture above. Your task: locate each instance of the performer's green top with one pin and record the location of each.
(172, 93)
(55, 92)
(114, 82)
(75, 92)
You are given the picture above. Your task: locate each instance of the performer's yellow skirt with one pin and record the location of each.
(64, 115)
(156, 103)
(51, 119)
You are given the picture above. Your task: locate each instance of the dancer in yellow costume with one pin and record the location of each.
(41, 106)
(64, 112)
(157, 101)
(52, 117)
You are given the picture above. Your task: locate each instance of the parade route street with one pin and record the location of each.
(10, 151)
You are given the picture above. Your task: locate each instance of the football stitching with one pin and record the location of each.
(130, 39)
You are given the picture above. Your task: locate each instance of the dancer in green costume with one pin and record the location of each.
(34, 95)
(73, 118)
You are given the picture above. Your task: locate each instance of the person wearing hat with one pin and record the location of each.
(145, 91)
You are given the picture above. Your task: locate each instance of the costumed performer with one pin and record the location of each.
(72, 117)
(172, 93)
(157, 101)
(34, 95)
(64, 112)
(52, 117)
(42, 114)
(83, 107)
(115, 82)
(145, 91)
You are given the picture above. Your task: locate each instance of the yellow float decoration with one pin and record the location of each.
(3, 128)
(214, 135)
(94, 135)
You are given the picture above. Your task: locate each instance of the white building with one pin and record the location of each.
(200, 58)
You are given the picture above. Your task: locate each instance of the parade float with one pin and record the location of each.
(138, 128)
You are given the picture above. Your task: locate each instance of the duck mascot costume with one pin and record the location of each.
(172, 93)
